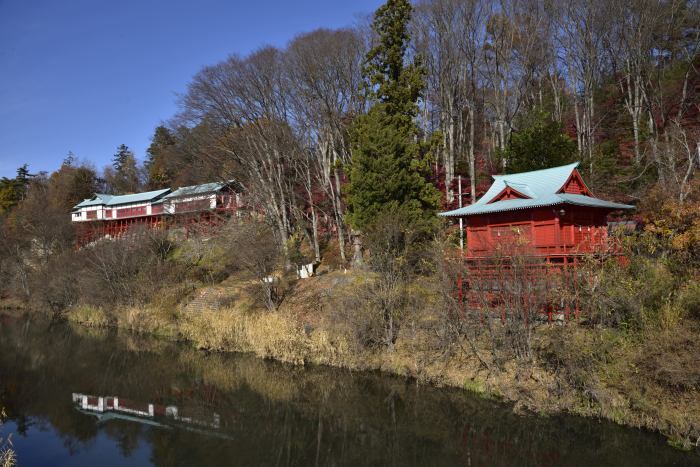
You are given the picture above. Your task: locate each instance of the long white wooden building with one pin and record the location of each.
(112, 216)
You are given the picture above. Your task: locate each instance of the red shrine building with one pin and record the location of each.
(523, 232)
(112, 216)
(548, 213)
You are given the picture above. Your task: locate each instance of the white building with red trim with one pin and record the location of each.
(111, 216)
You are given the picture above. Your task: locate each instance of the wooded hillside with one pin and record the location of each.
(506, 86)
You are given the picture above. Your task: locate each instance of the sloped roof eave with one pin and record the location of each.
(203, 189)
(455, 213)
(598, 203)
(143, 197)
(99, 199)
(583, 200)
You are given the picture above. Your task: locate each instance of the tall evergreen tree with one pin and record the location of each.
(389, 166)
(23, 177)
(126, 176)
(69, 160)
(121, 157)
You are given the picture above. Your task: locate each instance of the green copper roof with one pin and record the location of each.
(99, 199)
(114, 200)
(200, 189)
(197, 189)
(137, 197)
(541, 186)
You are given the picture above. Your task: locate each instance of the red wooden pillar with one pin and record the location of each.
(576, 301)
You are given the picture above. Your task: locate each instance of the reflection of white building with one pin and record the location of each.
(112, 407)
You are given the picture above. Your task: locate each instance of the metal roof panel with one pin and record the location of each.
(98, 200)
(549, 200)
(137, 197)
(212, 187)
(541, 185)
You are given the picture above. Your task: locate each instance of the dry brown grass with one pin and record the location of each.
(266, 334)
(147, 320)
(651, 382)
(90, 316)
(7, 454)
(7, 457)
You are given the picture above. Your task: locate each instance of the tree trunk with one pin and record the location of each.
(339, 220)
(357, 259)
(314, 218)
(389, 324)
(472, 159)
(314, 236)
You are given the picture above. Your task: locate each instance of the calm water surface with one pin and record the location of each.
(78, 397)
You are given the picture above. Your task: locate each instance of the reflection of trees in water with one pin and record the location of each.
(282, 414)
(127, 435)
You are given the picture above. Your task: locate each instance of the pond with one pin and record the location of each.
(77, 396)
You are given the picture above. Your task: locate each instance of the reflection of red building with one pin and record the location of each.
(549, 216)
(112, 216)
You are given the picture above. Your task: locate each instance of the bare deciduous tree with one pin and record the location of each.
(585, 28)
(257, 253)
(245, 106)
(324, 72)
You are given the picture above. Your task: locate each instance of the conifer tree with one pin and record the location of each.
(69, 160)
(541, 144)
(22, 180)
(120, 159)
(126, 176)
(389, 168)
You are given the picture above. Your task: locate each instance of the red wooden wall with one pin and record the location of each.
(131, 212)
(539, 231)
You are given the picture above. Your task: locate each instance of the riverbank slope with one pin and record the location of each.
(647, 381)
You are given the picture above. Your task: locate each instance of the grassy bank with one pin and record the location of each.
(645, 381)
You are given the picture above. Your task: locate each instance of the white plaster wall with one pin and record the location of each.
(101, 211)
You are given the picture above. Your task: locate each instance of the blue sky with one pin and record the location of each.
(88, 75)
